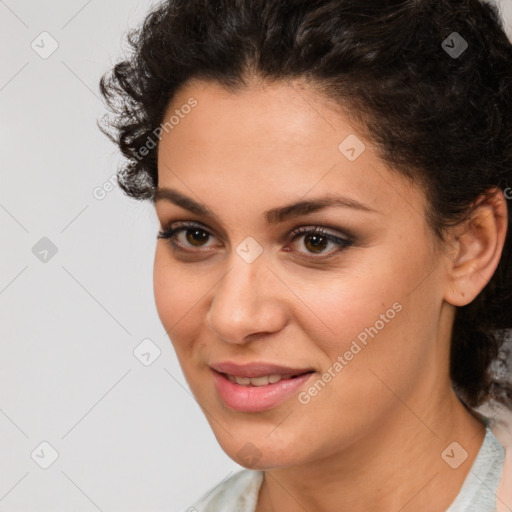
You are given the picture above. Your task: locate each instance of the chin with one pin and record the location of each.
(258, 452)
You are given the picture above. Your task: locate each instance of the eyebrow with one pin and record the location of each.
(272, 216)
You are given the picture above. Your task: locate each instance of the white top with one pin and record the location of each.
(239, 493)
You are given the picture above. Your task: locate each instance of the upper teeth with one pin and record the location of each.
(257, 381)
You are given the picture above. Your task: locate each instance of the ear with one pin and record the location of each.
(475, 248)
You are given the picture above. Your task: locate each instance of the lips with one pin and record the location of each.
(257, 369)
(256, 387)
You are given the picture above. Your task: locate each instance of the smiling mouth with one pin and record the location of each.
(264, 380)
(257, 387)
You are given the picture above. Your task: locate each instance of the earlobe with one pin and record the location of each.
(476, 248)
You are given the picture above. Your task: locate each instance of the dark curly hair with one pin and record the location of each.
(440, 119)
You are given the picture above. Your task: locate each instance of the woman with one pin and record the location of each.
(332, 181)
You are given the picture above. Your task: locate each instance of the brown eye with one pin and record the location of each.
(196, 236)
(316, 240)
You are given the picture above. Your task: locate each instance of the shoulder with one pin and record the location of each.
(478, 493)
(237, 493)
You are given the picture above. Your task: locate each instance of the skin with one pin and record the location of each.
(372, 439)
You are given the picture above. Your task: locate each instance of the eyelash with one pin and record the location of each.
(342, 243)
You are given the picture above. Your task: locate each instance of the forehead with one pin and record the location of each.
(273, 144)
(279, 115)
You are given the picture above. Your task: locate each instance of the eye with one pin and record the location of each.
(194, 235)
(316, 239)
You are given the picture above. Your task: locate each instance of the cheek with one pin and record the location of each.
(341, 307)
(371, 319)
(176, 298)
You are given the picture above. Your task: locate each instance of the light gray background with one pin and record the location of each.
(129, 437)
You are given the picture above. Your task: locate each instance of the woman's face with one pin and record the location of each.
(366, 318)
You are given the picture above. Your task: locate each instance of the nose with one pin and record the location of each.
(247, 302)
